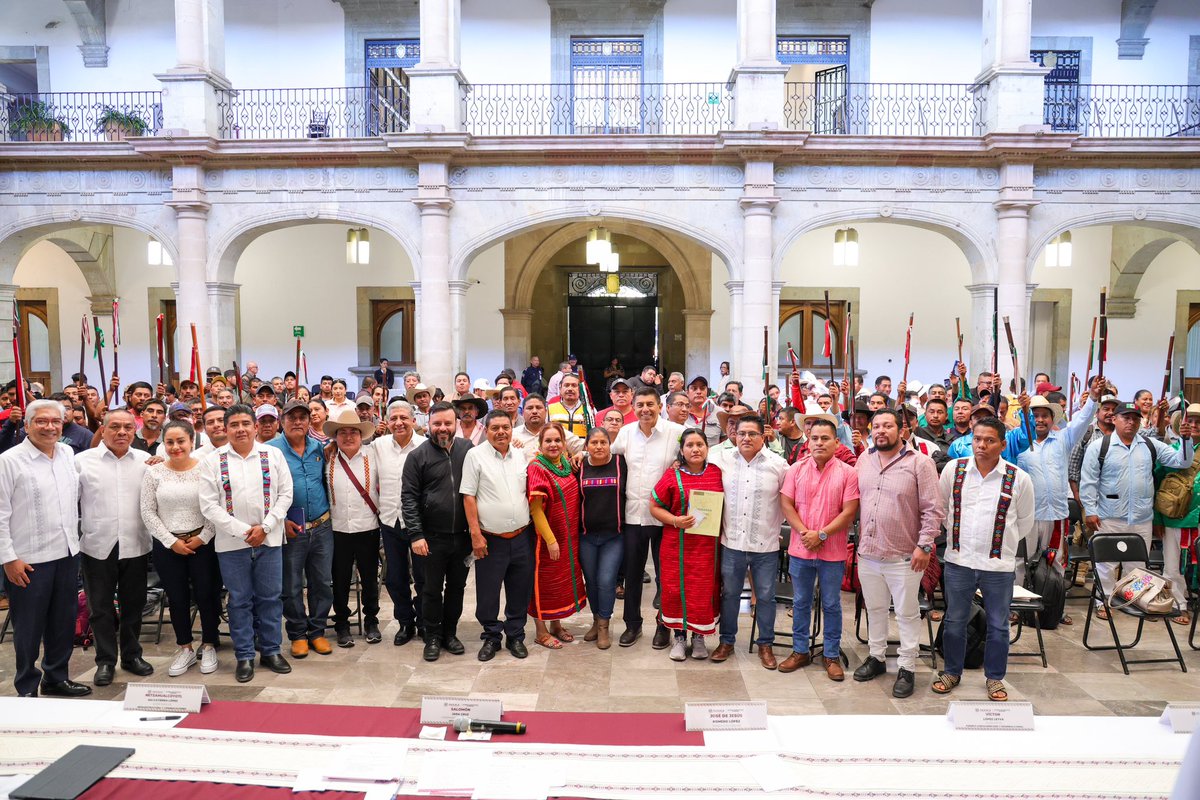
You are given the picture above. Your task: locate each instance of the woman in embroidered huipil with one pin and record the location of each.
(183, 552)
(558, 587)
(691, 586)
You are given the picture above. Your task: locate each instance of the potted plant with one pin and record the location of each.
(37, 122)
(120, 125)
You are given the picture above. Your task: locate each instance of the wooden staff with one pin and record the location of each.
(16, 343)
(962, 389)
(1087, 376)
(1103, 354)
(1167, 370)
(907, 351)
(1012, 348)
(298, 351)
(853, 374)
(237, 381)
(995, 331)
(766, 377)
(1072, 387)
(304, 361)
(846, 348)
(85, 338)
(162, 361)
(828, 339)
(197, 371)
(116, 342)
(99, 353)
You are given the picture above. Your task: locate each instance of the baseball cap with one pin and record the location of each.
(364, 400)
(266, 410)
(698, 379)
(1126, 407)
(179, 408)
(1109, 398)
(1046, 386)
(619, 382)
(294, 405)
(1193, 409)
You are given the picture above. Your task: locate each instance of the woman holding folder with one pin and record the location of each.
(687, 501)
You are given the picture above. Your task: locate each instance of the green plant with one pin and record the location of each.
(37, 117)
(129, 121)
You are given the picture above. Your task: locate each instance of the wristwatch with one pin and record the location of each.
(266, 529)
(926, 549)
(822, 535)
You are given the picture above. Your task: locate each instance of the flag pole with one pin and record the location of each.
(116, 343)
(1012, 348)
(829, 339)
(16, 342)
(99, 353)
(907, 351)
(1102, 354)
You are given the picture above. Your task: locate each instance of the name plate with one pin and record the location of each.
(1182, 717)
(1014, 715)
(179, 698)
(437, 710)
(725, 716)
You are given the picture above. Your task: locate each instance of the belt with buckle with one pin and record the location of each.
(509, 535)
(321, 520)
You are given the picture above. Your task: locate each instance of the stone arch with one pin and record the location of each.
(979, 252)
(232, 243)
(69, 231)
(1183, 226)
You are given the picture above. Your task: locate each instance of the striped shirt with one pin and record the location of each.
(900, 506)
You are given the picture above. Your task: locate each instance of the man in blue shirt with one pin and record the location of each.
(1016, 441)
(309, 548)
(1118, 494)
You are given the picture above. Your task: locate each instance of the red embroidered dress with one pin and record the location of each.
(558, 588)
(691, 585)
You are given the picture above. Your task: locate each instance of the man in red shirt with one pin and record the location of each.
(622, 400)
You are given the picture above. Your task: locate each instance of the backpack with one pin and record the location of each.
(976, 638)
(1044, 581)
(1174, 495)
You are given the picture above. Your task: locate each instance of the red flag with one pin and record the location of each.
(827, 351)
(16, 341)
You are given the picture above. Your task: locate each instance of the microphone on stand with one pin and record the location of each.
(464, 724)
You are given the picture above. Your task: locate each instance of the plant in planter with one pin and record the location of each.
(120, 125)
(37, 122)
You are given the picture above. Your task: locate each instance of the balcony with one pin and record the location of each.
(333, 113)
(554, 109)
(886, 109)
(79, 116)
(1128, 111)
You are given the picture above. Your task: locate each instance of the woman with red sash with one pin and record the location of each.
(691, 585)
(558, 588)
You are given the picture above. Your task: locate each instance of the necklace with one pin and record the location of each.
(684, 467)
(562, 469)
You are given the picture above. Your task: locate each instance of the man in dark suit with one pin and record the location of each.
(384, 375)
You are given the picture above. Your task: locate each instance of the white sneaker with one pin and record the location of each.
(184, 658)
(699, 648)
(678, 648)
(208, 659)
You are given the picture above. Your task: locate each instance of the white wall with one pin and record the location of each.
(902, 270)
(48, 266)
(285, 44)
(506, 42)
(699, 41)
(299, 276)
(484, 337)
(924, 41)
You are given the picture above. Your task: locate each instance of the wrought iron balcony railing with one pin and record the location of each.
(338, 113)
(553, 109)
(79, 116)
(886, 109)
(1124, 111)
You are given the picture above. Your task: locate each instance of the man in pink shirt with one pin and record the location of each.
(820, 500)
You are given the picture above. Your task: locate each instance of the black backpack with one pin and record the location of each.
(1041, 579)
(976, 638)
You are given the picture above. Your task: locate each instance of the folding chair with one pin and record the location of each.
(1125, 548)
(158, 602)
(8, 620)
(318, 126)
(924, 604)
(1034, 606)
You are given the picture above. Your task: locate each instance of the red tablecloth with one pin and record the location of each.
(544, 727)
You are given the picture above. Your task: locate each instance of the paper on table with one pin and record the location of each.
(770, 771)
(432, 732)
(515, 781)
(313, 781)
(706, 508)
(369, 762)
(454, 772)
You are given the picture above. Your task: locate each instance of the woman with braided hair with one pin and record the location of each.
(558, 588)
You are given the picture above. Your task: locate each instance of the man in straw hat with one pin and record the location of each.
(420, 397)
(470, 411)
(352, 479)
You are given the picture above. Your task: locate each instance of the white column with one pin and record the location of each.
(758, 307)
(1012, 244)
(223, 310)
(191, 299)
(8, 370)
(434, 83)
(458, 323)
(191, 88)
(697, 337)
(735, 326)
(758, 78)
(518, 337)
(979, 327)
(435, 349)
(1014, 85)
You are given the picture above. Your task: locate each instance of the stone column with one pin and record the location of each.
(191, 297)
(518, 338)
(458, 323)
(697, 334)
(434, 83)
(1014, 85)
(223, 310)
(1012, 253)
(191, 88)
(8, 370)
(759, 304)
(435, 353)
(980, 331)
(758, 78)
(736, 292)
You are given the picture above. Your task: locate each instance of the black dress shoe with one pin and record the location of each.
(645, 576)
(244, 671)
(489, 649)
(64, 689)
(632, 634)
(405, 634)
(276, 663)
(517, 648)
(138, 666)
(658, 599)
(372, 633)
(662, 638)
(104, 675)
(453, 645)
(344, 639)
(869, 669)
(433, 649)
(904, 684)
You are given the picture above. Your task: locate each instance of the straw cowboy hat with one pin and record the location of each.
(737, 411)
(348, 419)
(804, 418)
(420, 388)
(1037, 401)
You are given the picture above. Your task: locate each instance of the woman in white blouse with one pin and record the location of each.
(182, 548)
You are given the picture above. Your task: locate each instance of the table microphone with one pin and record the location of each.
(464, 724)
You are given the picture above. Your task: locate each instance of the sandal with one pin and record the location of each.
(996, 691)
(549, 642)
(562, 633)
(936, 616)
(1182, 619)
(1101, 612)
(1066, 620)
(621, 592)
(946, 681)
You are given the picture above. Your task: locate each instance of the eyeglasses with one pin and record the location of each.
(44, 422)
(747, 434)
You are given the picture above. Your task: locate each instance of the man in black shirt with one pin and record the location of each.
(437, 525)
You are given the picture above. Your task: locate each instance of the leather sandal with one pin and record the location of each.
(549, 642)
(946, 682)
(996, 691)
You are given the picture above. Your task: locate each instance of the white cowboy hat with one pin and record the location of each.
(348, 419)
(420, 388)
(483, 385)
(1038, 401)
(803, 418)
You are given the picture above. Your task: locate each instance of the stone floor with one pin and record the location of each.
(582, 678)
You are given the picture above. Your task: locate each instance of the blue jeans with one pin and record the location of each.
(804, 572)
(997, 590)
(763, 568)
(309, 555)
(254, 578)
(601, 555)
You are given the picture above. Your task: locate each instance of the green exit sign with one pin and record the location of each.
(298, 331)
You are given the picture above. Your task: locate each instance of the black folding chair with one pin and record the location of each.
(1123, 549)
(1034, 607)
(924, 605)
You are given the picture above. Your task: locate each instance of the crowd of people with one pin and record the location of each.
(274, 500)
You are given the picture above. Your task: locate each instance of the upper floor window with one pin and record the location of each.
(387, 96)
(1062, 87)
(607, 84)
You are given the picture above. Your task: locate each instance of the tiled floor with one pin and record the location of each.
(583, 678)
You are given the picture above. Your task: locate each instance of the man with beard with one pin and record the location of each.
(569, 411)
(149, 436)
